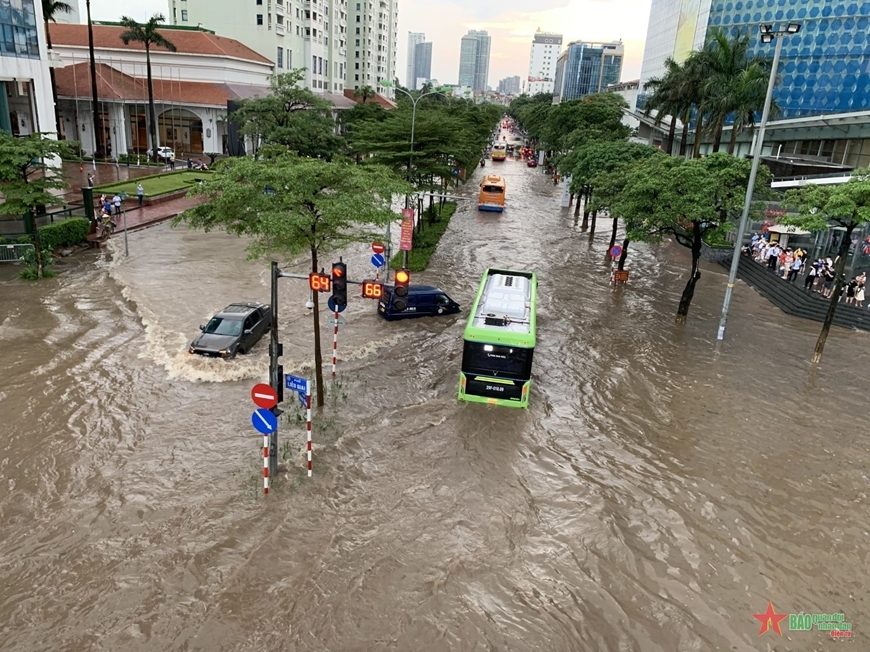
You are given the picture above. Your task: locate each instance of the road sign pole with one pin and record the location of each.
(335, 345)
(274, 347)
(308, 420)
(265, 464)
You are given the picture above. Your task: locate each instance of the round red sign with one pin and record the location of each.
(378, 247)
(264, 396)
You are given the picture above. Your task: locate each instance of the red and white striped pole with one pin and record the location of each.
(308, 420)
(335, 344)
(265, 464)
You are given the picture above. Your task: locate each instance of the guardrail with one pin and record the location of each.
(12, 253)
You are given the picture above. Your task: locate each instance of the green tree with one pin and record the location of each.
(147, 35)
(365, 93)
(846, 205)
(604, 165)
(290, 116)
(571, 125)
(50, 10)
(668, 196)
(726, 87)
(291, 206)
(29, 171)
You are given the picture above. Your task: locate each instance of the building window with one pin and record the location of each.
(357, 19)
(259, 2)
(259, 19)
(184, 15)
(280, 60)
(356, 66)
(357, 30)
(356, 78)
(18, 35)
(356, 54)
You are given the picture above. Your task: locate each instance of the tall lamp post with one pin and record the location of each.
(388, 84)
(768, 34)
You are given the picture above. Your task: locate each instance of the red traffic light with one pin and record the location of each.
(372, 289)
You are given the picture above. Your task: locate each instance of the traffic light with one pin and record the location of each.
(339, 283)
(400, 291)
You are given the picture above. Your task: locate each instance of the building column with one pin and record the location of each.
(5, 120)
(118, 129)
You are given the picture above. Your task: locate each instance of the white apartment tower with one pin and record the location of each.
(414, 39)
(310, 34)
(546, 48)
(373, 32)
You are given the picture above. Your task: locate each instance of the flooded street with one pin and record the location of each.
(655, 495)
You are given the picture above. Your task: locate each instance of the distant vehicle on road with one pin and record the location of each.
(500, 340)
(235, 329)
(165, 153)
(532, 163)
(499, 152)
(422, 300)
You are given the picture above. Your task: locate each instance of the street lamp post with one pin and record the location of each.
(414, 101)
(767, 35)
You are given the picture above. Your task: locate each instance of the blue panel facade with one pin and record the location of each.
(18, 36)
(826, 67)
(588, 69)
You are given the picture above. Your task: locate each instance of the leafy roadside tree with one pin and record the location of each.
(604, 166)
(290, 116)
(147, 35)
(27, 177)
(846, 205)
(571, 125)
(672, 197)
(51, 9)
(291, 206)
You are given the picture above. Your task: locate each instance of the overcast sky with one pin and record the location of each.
(511, 23)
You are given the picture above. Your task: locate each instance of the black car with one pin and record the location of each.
(235, 329)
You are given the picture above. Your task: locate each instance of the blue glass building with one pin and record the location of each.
(826, 67)
(586, 68)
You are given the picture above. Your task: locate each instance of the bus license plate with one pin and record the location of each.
(492, 401)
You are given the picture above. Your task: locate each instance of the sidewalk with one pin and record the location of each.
(140, 218)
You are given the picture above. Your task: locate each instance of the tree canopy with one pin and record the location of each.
(290, 116)
(289, 205)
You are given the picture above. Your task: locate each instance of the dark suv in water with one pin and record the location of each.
(235, 329)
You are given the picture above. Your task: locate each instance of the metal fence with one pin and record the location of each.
(12, 253)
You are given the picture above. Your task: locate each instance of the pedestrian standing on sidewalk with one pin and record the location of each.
(140, 192)
(795, 269)
(90, 180)
(859, 291)
(812, 274)
(773, 257)
(116, 200)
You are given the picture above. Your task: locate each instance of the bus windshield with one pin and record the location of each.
(493, 360)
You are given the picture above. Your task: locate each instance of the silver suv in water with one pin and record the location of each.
(235, 329)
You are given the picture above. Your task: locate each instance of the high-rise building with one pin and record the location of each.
(586, 68)
(26, 103)
(546, 48)
(510, 85)
(414, 38)
(422, 64)
(314, 37)
(73, 17)
(474, 60)
(372, 47)
(825, 68)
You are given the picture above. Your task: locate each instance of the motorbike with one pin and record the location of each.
(482, 163)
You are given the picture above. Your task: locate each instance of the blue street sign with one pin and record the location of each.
(332, 306)
(302, 398)
(264, 421)
(295, 383)
(378, 260)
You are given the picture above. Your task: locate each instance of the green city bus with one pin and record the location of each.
(499, 340)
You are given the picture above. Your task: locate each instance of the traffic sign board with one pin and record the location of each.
(302, 398)
(616, 251)
(296, 383)
(264, 421)
(331, 303)
(378, 260)
(378, 247)
(264, 396)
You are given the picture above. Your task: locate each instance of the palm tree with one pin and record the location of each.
(148, 36)
(750, 90)
(666, 98)
(365, 92)
(725, 60)
(50, 9)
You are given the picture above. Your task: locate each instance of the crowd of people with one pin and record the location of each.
(819, 275)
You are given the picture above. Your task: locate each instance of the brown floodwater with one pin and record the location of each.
(656, 494)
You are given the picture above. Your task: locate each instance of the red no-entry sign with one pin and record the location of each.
(378, 247)
(264, 396)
